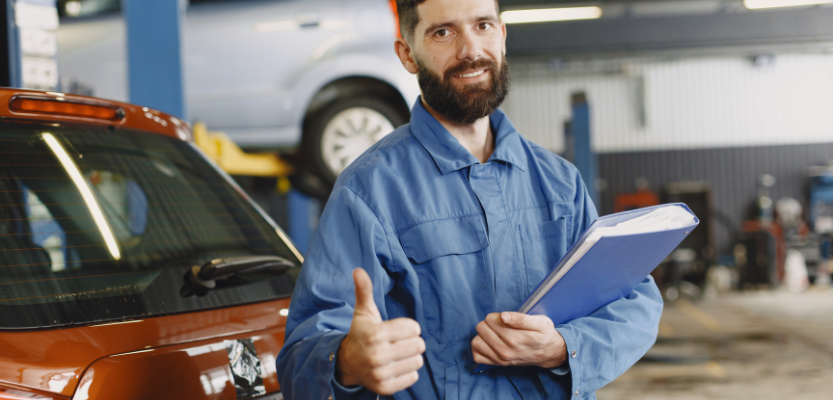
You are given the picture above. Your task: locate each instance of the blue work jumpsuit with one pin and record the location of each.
(447, 240)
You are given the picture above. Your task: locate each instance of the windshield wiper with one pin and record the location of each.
(232, 271)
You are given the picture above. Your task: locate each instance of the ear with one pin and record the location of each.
(405, 54)
(503, 29)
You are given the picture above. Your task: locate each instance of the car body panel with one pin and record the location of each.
(181, 355)
(54, 360)
(234, 53)
(255, 86)
(354, 65)
(136, 117)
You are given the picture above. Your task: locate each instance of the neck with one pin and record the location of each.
(476, 137)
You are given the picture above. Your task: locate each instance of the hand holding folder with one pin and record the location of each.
(610, 259)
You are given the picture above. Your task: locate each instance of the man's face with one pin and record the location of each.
(458, 51)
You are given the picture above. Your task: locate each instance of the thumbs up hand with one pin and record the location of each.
(382, 356)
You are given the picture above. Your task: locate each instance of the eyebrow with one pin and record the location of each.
(439, 25)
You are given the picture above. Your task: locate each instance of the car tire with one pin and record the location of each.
(339, 133)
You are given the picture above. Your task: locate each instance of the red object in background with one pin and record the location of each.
(95, 177)
(780, 246)
(392, 4)
(631, 201)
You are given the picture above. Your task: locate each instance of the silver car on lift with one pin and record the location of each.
(315, 78)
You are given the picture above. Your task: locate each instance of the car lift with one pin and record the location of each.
(579, 140)
(235, 161)
(303, 211)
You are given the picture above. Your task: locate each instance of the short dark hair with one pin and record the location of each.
(406, 11)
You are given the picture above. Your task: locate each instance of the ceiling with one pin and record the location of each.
(636, 26)
(562, 3)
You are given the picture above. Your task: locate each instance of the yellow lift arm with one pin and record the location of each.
(235, 161)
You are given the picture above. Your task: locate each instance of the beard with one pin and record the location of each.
(471, 102)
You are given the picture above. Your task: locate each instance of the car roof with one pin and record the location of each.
(127, 115)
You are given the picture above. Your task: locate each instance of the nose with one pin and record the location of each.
(468, 47)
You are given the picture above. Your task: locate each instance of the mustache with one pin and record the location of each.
(466, 65)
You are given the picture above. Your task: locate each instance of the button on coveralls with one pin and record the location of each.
(447, 240)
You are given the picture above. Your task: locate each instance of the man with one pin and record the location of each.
(442, 227)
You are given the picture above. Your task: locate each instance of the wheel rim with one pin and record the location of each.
(349, 133)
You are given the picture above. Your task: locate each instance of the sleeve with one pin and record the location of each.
(348, 236)
(603, 345)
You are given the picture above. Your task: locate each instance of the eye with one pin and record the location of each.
(485, 25)
(444, 35)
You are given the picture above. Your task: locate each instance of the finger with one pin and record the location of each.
(397, 368)
(364, 294)
(391, 352)
(406, 348)
(482, 359)
(397, 329)
(538, 323)
(502, 348)
(396, 384)
(507, 335)
(482, 353)
(492, 338)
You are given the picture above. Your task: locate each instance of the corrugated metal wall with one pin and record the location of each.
(640, 104)
(722, 120)
(732, 174)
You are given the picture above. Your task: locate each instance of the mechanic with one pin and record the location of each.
(433, 235)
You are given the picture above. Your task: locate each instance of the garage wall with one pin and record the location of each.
(732, 174)
(720, 120)
(686, 103)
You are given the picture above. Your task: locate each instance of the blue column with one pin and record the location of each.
(11, 74)
(31, 28)
(304, 213)
(583, 156)
(154, 54)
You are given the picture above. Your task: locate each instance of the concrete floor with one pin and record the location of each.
(755, 345)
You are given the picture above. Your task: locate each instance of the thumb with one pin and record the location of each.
(514, 320)
(539, 323)
(364, 294)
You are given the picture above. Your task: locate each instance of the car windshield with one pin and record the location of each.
(102, 224)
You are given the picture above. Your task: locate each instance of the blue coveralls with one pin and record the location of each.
(447, 240)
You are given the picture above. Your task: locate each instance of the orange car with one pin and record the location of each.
(131, 267)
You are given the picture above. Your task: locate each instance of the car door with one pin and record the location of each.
(243, 58)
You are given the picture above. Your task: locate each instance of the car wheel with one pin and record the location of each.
(337, 135)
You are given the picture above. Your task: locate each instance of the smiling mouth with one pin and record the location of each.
(472, 74)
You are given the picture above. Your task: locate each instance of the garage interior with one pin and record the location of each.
(725, 105)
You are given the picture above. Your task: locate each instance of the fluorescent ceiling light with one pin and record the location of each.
(550, 15)
(757, 4)
(86, 193)
(73, 8)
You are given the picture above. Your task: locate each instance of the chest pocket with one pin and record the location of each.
(448, 258)
(543, 245)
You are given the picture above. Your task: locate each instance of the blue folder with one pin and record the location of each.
(609, 271)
